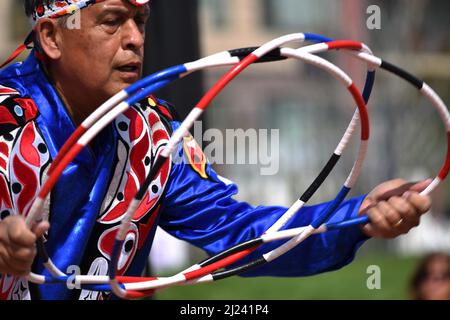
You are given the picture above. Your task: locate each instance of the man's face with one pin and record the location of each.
(105, 55)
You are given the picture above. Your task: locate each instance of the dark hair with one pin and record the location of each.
(31, 5)
(421, 273)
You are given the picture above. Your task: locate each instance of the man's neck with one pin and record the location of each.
(79, 103)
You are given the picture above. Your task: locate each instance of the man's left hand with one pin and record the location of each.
(394, 207)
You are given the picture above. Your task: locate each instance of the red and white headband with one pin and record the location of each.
(61, 8)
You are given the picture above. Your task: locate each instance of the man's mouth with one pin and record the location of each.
(130, 69)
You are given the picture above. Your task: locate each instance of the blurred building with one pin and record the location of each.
(312, 110)
(290, 95)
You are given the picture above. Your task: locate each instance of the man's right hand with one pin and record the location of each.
(18, 245)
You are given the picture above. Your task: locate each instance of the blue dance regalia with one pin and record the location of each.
(187, 198)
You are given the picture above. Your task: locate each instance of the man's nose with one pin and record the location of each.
(133, 38)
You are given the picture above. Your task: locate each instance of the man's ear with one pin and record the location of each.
(49, 38)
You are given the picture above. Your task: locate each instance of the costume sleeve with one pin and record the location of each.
(22, 153)
(199, 208)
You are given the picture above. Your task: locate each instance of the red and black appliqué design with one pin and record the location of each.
(15, 111)
(195, 156)
(7, 91)
(23, 158)
(142, 133)
(23, 153)
(13, 288)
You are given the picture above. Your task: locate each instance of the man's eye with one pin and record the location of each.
(111, 23)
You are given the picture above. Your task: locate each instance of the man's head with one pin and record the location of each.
(98, 59)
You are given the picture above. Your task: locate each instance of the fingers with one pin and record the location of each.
(18, 233)
(15, 263)
(408, 216)
(17, 245)
(394, 207)
(391, 212)
(420, 202)
(19, 267)
(395, 216)
(381, 219)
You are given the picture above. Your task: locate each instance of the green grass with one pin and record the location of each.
(346, 283)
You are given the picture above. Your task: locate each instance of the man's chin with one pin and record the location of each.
(128, 78)
(122, 84)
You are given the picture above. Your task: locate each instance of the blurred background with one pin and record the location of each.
(305, 104)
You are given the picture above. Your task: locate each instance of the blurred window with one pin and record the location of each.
(217, 10)
(289, 14)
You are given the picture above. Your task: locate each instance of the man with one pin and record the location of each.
(68, 75)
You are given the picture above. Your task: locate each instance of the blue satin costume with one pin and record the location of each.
(192, 208)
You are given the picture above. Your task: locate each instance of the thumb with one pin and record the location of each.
(421, 185)
(367, 203)
(398, 188)
(41, 228)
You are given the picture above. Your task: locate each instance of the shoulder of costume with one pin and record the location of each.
(16, 109)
